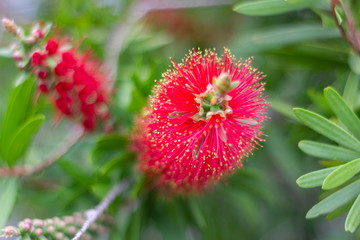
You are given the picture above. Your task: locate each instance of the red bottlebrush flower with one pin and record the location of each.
(74, 82)
(204, 118)
(52, 46)
(37, 58)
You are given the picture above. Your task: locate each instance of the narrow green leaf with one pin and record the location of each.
(327, 128)
(18, 109)
(353, 217)
(354, 63)
(330, 163)
(108, 147)
(341, 174)
(314, 179)
(19, 143)
(351, 90)
(76, 172)
(7, 198)
(197, 212)
(271, 7)
(339, 12)
(342, 111)
(282, 36)
(339, 211)
(283, 108)
(335, 200)
(327, 151)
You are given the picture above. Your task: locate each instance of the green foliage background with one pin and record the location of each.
(301, 52)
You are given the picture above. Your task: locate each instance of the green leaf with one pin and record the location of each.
(283, 108)
(76, 172)
(354, 63)
(282, 36)
(327, 20)
(353, 218)
(18, 110)
(327, 128)
(341, 174)
(197, 212)
(108, 147)
(339, 211)
(342, 111)
(327, 151)
(351, 90)
(7, 198)
(271, 7)
(21, 140)
(113, 163)
(335, 200)
(314, 179)
(331, 163)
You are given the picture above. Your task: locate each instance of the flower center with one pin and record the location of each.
(214, 101)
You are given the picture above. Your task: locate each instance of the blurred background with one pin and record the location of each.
(300, 52)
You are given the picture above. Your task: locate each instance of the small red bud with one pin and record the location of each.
(43, 75)
(37, 58)
(43, 88)
(52, 46)
(89, 123)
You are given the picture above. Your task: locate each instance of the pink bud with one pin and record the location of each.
(18, 55)
(9, 26)
(38, 33)
(30, 40)
(71, 230)
(27, 226)
(38, 222)
(39, 232)
(50, 229)
(59, 235)
(27, 220)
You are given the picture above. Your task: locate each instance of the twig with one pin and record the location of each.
(93, 214)
(21, 171)
(352, 40)
(352, 29)
(137, 11)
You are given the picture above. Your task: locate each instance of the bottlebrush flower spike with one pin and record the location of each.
(75, 82)
(203, 119)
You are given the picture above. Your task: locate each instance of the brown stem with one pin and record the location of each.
(334, 4)
(354, 34)
(21, 171)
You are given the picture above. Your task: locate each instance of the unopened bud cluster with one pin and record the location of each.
(58, 228)
(26, 41)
